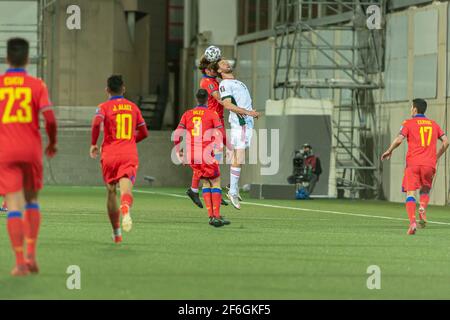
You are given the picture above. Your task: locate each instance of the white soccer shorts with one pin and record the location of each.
(241, 137)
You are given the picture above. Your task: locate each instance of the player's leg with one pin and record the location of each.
(410, 185)
(16, 231)
(4, 207)
(235, 174)
(427, 176)
(216, 195)
(126, 202)
(207, 198)
(192, 192)
(32, 222)
(113, 212)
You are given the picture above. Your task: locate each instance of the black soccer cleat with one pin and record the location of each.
(225, 222)
(195, 198)
(224, 202)
(215, 222)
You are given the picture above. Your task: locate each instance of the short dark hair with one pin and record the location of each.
(115, 83)
(17, 52)
(202, 96)
(420, 105)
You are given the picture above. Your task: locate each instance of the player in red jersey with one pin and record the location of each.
(202, 127)
(422, 135)
(22, 99)
(210, 83)
(124, 127)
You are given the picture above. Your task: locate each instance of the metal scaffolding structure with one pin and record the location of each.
(324, 50)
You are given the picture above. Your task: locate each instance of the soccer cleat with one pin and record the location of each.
(412, 229)
(234, 200)
(225, 222)
(224, 202)
(117, 239)
(127, 222)
(20, 271)
(194, 197)
(238, 195)
(215, 222)
(32, 266)
(422, 217)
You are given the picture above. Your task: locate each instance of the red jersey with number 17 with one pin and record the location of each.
(422, 135)
(121, 118)
(22, 97)
(211, 85)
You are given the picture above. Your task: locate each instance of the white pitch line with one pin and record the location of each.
(298, 209)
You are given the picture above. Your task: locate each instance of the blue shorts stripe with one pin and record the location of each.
(14, 214)
(32, 206)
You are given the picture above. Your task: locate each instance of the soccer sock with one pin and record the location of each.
(411, 209)
(424, 200)
(216, 195)
(32, 222)
(195, 182)
(126, 202)
(208, 201)
(16, 235)
(114, 217)
(235, 174)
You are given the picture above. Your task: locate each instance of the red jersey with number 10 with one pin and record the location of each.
(211, 85)
(22, 97)
(121, 118)
(422, 135)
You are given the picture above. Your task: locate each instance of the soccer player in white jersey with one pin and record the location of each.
(234, 93)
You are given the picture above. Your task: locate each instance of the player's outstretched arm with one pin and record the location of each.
(51, 129)
(395, 144)
(444, 146)
(227, 104)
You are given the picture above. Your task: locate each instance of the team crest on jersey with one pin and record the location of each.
(222, 89)
(211, 87)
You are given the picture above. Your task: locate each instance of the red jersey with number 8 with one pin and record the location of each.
(22, 97)
(121, 118)
(422, 135)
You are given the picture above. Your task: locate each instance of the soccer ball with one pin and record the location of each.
(213, 54)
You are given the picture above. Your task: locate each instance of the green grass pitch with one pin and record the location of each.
(268, 252)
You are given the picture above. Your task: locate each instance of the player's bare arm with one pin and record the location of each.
(444, 146)
(227, 104)
(395, 144)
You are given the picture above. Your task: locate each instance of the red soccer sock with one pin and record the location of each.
(15, 227)
(411, 209)
(195, 181)
(32, 222)
(114, 218)
(208, 201)
(424, 200)
(126, 202)
(216, 195)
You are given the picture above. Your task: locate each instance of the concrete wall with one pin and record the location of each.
(73, 166)
(219, 18)
(79, 61)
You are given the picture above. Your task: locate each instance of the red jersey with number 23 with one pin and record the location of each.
(22, 98)
(121, 119)
(422, 135)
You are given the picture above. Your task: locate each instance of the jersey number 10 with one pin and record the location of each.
(426, 131)
(124, 125)
(13, 95)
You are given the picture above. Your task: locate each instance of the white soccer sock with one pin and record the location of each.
(235, 174)
(194, 190)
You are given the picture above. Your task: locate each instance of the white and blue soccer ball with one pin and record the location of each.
(213, 54)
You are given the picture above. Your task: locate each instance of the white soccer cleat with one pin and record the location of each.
(127, 223)
(234, 200)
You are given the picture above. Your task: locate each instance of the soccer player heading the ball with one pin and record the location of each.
(124, 127)
(22, 99)
(234, 93)
(422, 135)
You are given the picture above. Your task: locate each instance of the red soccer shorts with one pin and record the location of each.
(116, 168)
(206, 171)
(223, 131)
(417, 177)
(15, 176)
